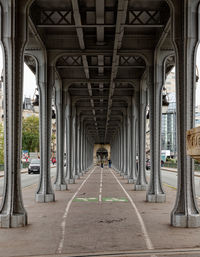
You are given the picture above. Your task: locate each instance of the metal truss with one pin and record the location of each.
(63, 17)
(144, 17)
(69, 61)
(131, 61)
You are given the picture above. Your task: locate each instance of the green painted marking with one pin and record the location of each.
(114, 199)
(84, 199)
(105, 199)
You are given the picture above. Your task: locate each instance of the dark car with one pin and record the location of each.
(148, 165)
(34, 166)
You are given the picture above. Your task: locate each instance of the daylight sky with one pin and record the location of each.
(30, 82)
(29, 79)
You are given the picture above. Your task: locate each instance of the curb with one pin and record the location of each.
(175, 171)
(25, 171)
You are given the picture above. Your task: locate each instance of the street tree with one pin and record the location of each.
(30, 134)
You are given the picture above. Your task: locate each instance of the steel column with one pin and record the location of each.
(13, 19)
(45, 192)
(185, 212)
(60, 98)
(141, 182)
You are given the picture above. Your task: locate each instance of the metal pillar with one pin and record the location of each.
(69, 175)
(45, 192)
(141, 182)
(60, 183)
(74, 142)
(155, 191)
(81, 145)
(13, 18)
(78, 142)
(83, 150)
(125, 144)
(133, 168)
(185, 212)
(86, 152)
(119, 152)
(121, 149)
(128, 141)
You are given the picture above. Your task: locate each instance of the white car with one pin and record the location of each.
(34, 166)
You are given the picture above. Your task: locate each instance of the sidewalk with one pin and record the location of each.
(22, 171)
(25, 170)
(196, 173)
(100, 221)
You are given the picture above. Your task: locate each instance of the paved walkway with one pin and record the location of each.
(100, 215)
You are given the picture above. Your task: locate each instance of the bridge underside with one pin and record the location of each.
(105, 62)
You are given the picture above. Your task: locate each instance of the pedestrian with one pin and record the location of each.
(109, 162)
(101, 164)
(53, 160)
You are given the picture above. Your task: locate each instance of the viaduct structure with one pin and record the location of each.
(106, 60)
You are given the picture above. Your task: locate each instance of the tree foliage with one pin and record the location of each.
(30, 134)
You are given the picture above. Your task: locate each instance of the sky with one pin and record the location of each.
(30, 81)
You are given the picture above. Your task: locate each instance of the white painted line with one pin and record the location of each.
(101, 186)
(143, 227)
(63, 224)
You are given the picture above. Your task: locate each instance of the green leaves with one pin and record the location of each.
(30, 134)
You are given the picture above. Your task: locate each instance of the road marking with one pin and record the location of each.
(101, 186)
(114, 199)
(105, 199)
(143, 227)
(169, 186)
(63, 223)
(84, 199)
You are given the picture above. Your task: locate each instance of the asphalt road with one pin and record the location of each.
(26, 179)
(170, 178)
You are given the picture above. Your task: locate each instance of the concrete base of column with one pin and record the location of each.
(185, 221)
(156, 198)
(121, 173)
(13, 221)
(60, 187)
(77, 176)
(140, 187)
(131, 181)
(72, 181)
(125, 176)
(44, 198)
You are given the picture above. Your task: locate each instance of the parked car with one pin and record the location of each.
(34, 166)
(148, 165)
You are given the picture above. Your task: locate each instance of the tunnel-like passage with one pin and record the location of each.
(105, 63)
(101, 154)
